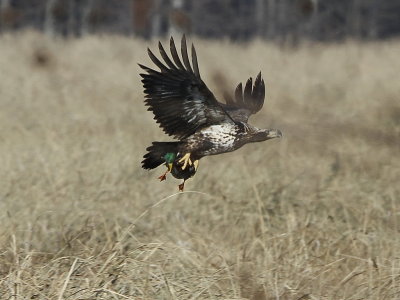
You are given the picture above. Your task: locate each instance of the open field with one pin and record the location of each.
(315, 215)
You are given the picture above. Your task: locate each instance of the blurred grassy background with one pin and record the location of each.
(314, 215)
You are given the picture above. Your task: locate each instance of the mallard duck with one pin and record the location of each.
(175, 167)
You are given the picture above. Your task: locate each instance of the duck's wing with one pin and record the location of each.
(178, 97)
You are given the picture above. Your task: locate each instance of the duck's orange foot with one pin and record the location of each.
(163, 177)
(181, 186)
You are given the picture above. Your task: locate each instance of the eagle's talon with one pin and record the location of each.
(196, 164)
(186, 160)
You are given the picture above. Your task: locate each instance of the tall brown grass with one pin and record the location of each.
(315, 215)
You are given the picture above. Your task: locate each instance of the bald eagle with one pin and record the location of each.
(187, 110)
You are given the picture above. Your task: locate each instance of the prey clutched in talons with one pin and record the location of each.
(179, 172)
(194, 166)
(186, 160)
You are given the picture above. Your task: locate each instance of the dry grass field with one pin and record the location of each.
(315, 215)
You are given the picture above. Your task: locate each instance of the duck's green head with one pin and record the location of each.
(169, 157)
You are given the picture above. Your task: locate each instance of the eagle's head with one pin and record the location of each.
(252, 134)
(267, 134)
(255, 134)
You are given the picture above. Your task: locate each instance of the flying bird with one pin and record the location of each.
(187, 110)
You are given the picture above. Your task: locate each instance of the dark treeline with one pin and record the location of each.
(280, 20)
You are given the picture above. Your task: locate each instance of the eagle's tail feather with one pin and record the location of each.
(156, 153)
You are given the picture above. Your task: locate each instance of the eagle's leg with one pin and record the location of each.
(164, 176)
(196, 164)
(182, 186)
(186, 160)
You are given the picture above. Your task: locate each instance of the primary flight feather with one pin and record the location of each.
(187, 110)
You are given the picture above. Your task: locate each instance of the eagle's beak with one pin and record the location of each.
(274, 133)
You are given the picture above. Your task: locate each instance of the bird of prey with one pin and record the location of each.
(187, 110)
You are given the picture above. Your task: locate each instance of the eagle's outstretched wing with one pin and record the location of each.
(247, 102)
(179, 99)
